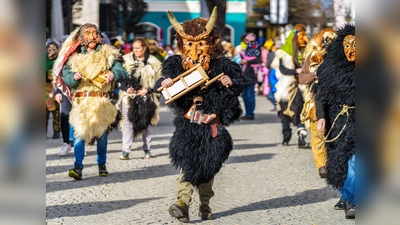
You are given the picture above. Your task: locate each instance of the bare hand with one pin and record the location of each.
(321, 125)
(142, 92)
(167, 82)
(225, 80)
(58, 98)
(130, 90)
(77, 76)
(298, 70)
(243, 61)
(110, 77)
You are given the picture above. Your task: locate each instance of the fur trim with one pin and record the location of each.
(141, 111)
(91, 116)
(286, 84)
(148, 73)
(92, 64)
(198, 154)
(141, 117)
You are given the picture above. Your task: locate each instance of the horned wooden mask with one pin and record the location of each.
(196, 40)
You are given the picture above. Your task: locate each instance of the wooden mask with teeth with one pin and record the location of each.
(197, 40)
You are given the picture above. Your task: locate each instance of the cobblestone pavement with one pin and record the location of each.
(262, 182)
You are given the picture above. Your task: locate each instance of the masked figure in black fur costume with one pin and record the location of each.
(335, 102)
(199, 148)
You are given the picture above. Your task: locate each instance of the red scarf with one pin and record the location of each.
(58, 72)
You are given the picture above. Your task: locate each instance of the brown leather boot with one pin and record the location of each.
(205, 212)
(180, 211)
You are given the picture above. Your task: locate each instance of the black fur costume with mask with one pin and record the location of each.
(336, 87)
(192, 148)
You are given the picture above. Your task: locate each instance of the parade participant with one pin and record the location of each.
(313, 54)
(230, 52)
(336, 102)
(154, 49)
(138, 103)
(52, 105)
(287, 64)
(88, 67)
(198, 147)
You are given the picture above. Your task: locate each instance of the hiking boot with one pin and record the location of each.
(65, 149)
(180, 211)
(75, 173)
(322, 172)
(124, 156)
(103, 170)
(205, 212)
(349, 210)
(147, 154)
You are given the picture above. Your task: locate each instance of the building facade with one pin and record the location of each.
(155, 23)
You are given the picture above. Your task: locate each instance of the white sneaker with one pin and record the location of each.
(65, 149)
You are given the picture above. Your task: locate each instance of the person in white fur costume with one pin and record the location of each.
(137, 102)
(85, 70)
(287, 64)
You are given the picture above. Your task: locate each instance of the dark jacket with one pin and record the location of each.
(249, 71)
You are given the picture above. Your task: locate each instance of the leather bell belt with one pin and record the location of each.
(91, 94)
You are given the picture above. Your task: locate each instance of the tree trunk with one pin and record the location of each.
(221, 13)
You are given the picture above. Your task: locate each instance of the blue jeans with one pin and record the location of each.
(349, 188)
(79, 150)
(249, 99)
(71, 133)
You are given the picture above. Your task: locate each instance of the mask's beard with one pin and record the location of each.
(86, 43)
(153, 50)
(188, 63)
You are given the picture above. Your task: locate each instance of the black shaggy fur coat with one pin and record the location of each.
(337, 87)
(142, 108)
(192, 148)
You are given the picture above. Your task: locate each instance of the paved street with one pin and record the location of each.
(262, 182)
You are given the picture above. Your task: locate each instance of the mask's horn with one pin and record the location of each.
(213, 19)
(177, 26)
